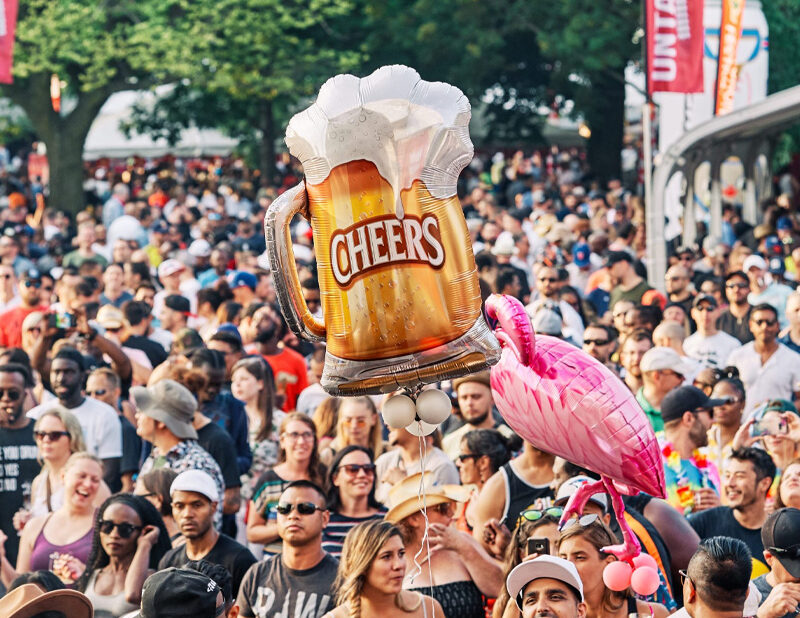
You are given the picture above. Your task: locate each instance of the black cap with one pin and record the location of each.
(780, 535)
(685, 399)
(612, 257)
(179, 592)
(32, 274)
(179, 303)
(704, 298)
(520, 214)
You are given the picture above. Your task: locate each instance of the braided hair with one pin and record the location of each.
(98, 558)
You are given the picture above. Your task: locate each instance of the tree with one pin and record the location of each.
(96, 49)
(264, 56)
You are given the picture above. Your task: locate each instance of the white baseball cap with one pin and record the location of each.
(660, 358)
(542, 567)
(570, 486)
(170, 267)
(756, 261)
(197, 481)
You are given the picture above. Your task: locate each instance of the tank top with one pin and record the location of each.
(42, 548)
(458, 599)
(521, 495)
(107, 606)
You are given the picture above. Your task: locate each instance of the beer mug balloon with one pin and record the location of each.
(398, 282)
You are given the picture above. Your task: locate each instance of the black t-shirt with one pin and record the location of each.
(220, 446)
(735, 327)
(18, 468)
(155, 351)
(226, 552)
(720, 521)
(270, 589)
(131, 448)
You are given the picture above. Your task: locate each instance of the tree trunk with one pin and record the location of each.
(64, 136)
(266, 150)
(606, 120)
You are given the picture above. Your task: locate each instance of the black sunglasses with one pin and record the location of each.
(354, 469)
(50, 435)
(125, 529)
(463, 458)
(597, 342)
(98, 393)
(13, 393)
(304, 508)
(792, 552)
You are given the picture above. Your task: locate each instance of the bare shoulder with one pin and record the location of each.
(659, 611)
(34, 527)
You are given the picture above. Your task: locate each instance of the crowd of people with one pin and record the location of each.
(167, 446)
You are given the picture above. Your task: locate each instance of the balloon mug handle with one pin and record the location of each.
(281, 258)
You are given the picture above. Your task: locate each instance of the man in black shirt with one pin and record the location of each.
(735, 320)
(746, 480)
(299, 580)
(17, 452)
(137, 323)
(194, 502)
(780, 588)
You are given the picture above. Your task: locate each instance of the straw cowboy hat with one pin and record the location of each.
(29, 600)
(406, 498)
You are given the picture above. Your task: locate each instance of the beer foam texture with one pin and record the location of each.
(408, 128)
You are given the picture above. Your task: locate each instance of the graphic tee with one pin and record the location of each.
(19, 468)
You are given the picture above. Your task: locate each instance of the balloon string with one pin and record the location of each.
(426, 541)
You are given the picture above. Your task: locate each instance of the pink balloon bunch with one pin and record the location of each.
(565, 402)
(642, 576)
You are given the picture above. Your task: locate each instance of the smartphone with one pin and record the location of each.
(773, 426)
(539, 546)
(61, 320)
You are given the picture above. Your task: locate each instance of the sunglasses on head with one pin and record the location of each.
(553, 512)
(583, 520)
(354, 469)
(303, 508)
(792, 552)
(124, 529)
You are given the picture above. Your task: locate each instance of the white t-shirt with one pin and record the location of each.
(102, 430)
(778, 378)
(436, 462)
(712, 350)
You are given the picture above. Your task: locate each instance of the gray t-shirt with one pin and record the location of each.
(270, 589)
(764, 588)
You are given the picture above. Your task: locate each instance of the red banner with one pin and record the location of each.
(727, 70)
(8, 26)
(674, 38)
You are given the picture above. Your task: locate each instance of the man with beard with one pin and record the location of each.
(746, 480)
(288, 367)
(299, 580)
(102, 431)
(692, 481)
(18, 452)
(475, 402)
(194, 502)
(627, 284)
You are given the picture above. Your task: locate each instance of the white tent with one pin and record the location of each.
(105, 139)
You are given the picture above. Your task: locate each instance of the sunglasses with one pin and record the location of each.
(125, 529)
(597, 342)
(295, 436)
(98, 393)
(765, 322)
(354, 469)
(705, 308)
(554, 512)
(735, 286)
(13, 394)
(357, 421)
(52, 436)
(32, 284)
(463, 458)
(548, 279)
(303, 508)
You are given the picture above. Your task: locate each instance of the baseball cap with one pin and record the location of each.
(618, 256)
(752, 261)
(784, 223)
(200, 248)
(197, 481)
(547, 322)
(240, 278)
(780, 535)
(160, 227)
(570, 486)
(32, 274)
(773, 244)
(179, 303)
(169, 402)
(179, 592)
(704, 298)
(186, 341)
(580, 254)
(482, 377)
(660, 358)
(685, 399)
(170, 267)
(543, 567)
(777, 266)
(230, 327)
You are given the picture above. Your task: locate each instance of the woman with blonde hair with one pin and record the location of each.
(298, 459)
(370, 577)
(359, 424)
(58, 436)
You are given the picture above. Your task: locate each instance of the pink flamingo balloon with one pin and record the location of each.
(565, 402)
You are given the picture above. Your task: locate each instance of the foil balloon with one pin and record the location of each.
(398, 283)
(565, 402)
